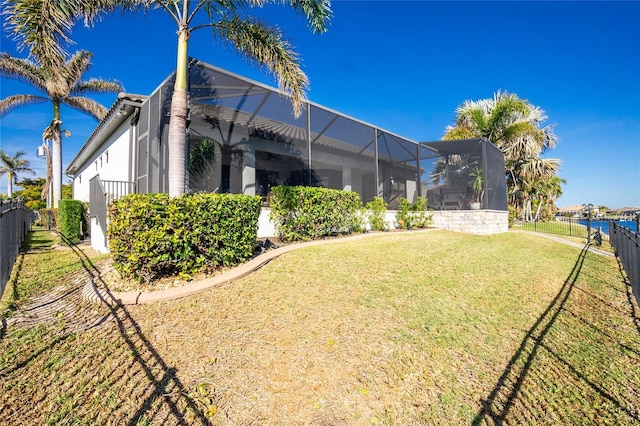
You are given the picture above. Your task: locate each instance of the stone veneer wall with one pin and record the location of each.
(483, 222)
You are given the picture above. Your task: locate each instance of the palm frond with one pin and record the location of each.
(472, 115)
(538, 168)
(75, 67)
(264, 45)
(522, 140)
(97, 85)
(12, 102)
(507, 110)
(23, 70)
(317, 12)
(86, 105)
(459, 132)
(42, 26)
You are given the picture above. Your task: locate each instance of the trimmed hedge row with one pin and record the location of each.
(303, 213)
(72, 219)
(152, 235)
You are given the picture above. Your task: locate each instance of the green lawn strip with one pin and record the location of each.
(404, 328)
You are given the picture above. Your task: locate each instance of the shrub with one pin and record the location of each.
(48, 218)
(375, 214)
(152, 235)
(512, 215)
(413, 215)
(72, 220)
(306, 213)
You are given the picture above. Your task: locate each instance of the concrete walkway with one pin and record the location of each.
(97, 294)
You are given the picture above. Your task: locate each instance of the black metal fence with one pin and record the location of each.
(15, 222)
(569, 226)
(575, 227)
(627, 246)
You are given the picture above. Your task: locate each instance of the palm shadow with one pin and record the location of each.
(510, 389)
(137, 385)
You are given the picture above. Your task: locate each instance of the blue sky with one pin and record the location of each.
(406, 66)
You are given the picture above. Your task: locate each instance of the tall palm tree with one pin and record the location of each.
(227, 19)
(60, 85)
(254, 40)
(515, 126)
(11, 166)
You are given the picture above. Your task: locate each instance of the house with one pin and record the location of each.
(243, 138)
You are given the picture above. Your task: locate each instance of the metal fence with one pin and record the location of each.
(570, 226)
(101, 194)
(627, 246)
(15, 222)
(575, 227)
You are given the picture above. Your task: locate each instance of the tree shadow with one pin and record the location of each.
(87, 363)
(543, 376)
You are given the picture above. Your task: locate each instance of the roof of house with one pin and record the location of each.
(120, 111)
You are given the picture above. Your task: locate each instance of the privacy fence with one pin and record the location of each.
(15, 222)
(627, 246)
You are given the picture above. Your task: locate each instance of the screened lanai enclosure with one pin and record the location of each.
(243, 138)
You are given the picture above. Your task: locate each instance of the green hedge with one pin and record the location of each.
(413, 215)
(152, 235)
(305, 213)
(72, 221)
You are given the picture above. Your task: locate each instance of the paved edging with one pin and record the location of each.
(94, 294)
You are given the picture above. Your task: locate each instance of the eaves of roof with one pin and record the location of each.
(121, 110)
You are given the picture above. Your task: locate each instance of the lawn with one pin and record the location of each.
(405, 328)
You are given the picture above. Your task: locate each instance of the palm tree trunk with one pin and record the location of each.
(537, 216)
(56, 165)
(10, 185)
(178, 121)
(56, 155)
(46, 189)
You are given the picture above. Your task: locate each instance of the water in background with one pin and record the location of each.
(603, 225)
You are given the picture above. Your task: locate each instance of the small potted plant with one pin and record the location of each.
(477, 186)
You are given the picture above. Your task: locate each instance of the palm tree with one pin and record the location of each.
(60, 85)
(227, 19)
(251, 38)
(11, 166)
(515, 126)
(548, 191)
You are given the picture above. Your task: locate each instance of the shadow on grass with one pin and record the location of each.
(68, 360)
(559, 374)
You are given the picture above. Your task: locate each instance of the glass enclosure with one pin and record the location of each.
(243, 138)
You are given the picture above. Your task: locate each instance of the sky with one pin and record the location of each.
(406, 66)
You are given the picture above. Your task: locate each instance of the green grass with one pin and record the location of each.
(402, 328)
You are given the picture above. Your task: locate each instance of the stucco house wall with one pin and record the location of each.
(111, 162)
